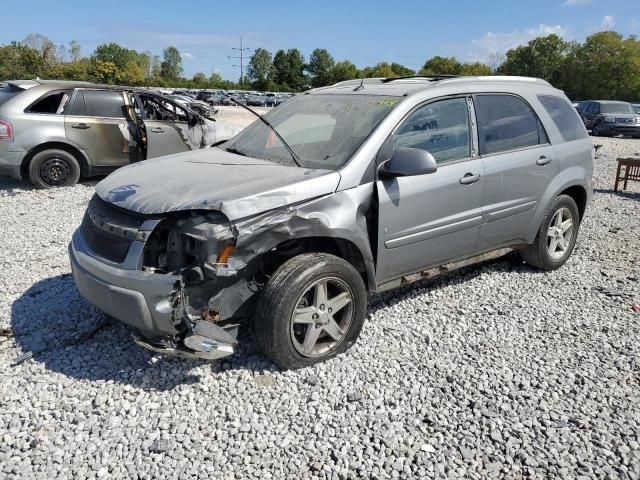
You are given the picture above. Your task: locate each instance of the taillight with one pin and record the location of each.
(6, 131)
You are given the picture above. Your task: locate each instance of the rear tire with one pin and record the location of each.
(297, 325)
(556, 236)
(54, 168)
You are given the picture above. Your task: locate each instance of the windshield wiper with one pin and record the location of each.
(236, 151)
(273, 129)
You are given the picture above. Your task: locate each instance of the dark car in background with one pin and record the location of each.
(609, 118)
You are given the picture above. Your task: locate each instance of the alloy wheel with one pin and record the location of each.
(560, 233)
(322, 317)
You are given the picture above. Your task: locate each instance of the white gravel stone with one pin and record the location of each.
(495, 371)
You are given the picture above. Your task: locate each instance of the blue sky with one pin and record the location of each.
(365, 32)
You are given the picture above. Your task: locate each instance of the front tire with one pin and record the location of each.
(312, 309)
(54, 168)
(556, 236)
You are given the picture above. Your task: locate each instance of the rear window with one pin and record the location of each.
(104, 103)
(505, 123)
(564, 116)
(8, 91)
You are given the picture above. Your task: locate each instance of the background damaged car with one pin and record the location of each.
(343, 190)
(55, 132)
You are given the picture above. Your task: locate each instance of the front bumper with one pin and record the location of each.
(622, 129)
(137, 298)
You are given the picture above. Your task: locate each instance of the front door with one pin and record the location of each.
(167, 126)
(427, 220)
(96, 123)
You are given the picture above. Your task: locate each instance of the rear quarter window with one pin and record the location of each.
(564, 116)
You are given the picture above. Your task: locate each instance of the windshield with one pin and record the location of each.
(324, 131)
(616, 108)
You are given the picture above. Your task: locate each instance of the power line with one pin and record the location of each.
(241, 57)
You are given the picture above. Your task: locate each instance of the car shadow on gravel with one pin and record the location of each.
(53, 325)
(10, 186)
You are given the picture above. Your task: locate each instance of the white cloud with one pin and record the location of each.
(607, 23)
(574, 3)
(478, 50)
(187, 55)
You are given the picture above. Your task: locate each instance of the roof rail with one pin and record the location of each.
(358, 81)
(431, 78)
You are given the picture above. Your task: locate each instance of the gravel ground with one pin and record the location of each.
(496, 371)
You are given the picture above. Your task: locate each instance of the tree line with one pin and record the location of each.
(605, 66)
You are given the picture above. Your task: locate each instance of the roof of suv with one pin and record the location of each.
(26, 84)
(402, 86)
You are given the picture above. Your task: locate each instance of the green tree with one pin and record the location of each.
(171, 67)
(260, 66)
(105, 72)
(288, 69)
(113, 53)
(45, 48)
(475, 69)
(74, 50)
(19, 61)
(401, 70)
(320, 64)
(542, 57)
(342, 71)
(441, 66)
(200, 80)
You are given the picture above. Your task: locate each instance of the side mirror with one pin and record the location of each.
(407, 162)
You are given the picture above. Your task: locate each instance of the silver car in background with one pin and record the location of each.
(55, 132)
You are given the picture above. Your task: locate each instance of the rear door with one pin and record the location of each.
(519, 164)
(96, 122)
(426, 220)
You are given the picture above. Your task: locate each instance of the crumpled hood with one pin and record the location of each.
(212, 179)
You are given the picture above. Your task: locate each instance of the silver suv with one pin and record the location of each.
(54, 132)
(361, 186)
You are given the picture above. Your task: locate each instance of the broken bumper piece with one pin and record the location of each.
(210, 349)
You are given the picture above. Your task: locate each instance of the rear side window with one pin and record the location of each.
(104, 103)
(564, 116)
(506, 122)
(51, 103)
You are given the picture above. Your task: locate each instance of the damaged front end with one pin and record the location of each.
(212, 297)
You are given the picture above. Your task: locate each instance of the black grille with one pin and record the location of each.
(108, 230)
(124, 218)
(109, 247)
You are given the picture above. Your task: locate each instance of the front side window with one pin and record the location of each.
(323, 130)
(104, 103)
(441, 128)
(564, 116)
(505, 123)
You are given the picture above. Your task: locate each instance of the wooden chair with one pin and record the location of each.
(631, 171)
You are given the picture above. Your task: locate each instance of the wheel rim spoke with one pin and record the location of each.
(310, 339)
(320, 295)
(338, 302)
(334, 330)
(304, 315)
(566, 225)
(560, 233)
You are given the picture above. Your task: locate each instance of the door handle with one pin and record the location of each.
(80, 126)
(157, 130)
(543, 161)
(469, 178)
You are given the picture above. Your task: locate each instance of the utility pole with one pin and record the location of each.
(240, 57)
